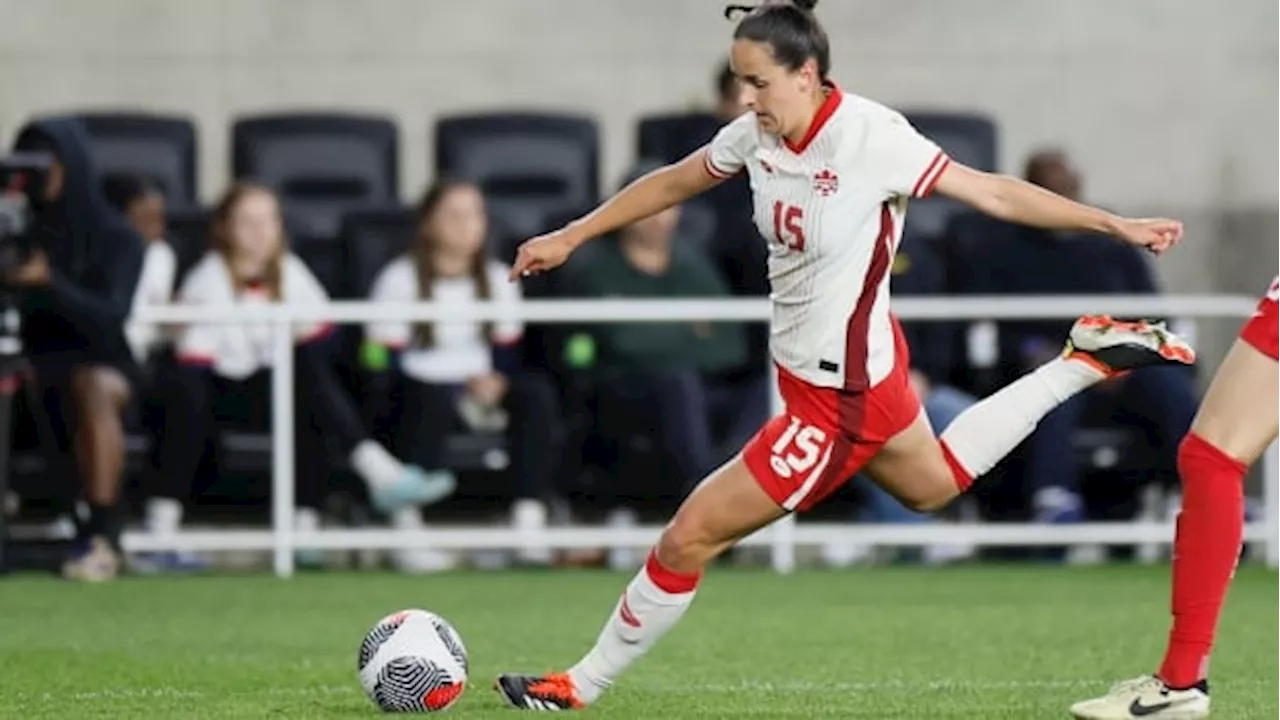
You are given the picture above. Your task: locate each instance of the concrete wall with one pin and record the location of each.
(1168, 105)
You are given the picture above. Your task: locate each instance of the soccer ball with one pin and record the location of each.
(413, 661)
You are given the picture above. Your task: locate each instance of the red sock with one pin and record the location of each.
(962, 477)
(1205, 552)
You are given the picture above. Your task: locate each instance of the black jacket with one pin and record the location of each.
(95, 257)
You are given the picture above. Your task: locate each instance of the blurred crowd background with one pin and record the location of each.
(400, 150)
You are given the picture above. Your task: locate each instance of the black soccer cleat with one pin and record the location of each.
(1114, 346)
(549, 693)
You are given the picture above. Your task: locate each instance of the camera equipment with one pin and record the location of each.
(22, 181)
(22, 185)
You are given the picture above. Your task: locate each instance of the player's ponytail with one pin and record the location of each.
(789, 27)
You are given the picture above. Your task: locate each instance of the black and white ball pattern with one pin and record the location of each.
(450, 638)
(413, 661)
(414, 684)
(380, 633)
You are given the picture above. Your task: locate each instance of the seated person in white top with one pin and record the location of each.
(436, 377)
(143, 205)
(224, 371)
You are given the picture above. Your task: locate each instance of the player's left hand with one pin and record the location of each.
(1156, 235)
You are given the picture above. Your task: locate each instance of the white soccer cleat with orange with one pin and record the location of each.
(1146, 698)
(1115, 346)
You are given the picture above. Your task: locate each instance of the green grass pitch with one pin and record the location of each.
(981, 642)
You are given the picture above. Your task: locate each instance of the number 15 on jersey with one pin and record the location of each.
(788, 226)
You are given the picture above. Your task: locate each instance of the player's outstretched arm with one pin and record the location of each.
(665, 187)
(1013, 200)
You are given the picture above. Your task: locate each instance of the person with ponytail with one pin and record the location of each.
(832, 174)
(224, 370)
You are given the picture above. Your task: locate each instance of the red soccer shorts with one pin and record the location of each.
(1261, 331)
(826, 435)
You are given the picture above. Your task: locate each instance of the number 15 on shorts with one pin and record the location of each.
(797, 449)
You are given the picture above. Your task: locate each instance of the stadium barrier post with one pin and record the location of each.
(282, 460)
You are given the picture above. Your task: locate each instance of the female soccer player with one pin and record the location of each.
(1235, 425)
(831, 174)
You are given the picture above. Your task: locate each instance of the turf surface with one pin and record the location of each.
(988, 642)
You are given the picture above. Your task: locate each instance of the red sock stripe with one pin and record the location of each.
(667, 580)
(962, 477)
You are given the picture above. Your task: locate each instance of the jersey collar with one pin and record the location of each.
(828, 108)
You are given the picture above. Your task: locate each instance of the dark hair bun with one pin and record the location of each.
(732, 11)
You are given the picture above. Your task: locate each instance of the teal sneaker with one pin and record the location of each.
(415, 487)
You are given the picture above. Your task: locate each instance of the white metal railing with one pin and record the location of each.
(782, 538)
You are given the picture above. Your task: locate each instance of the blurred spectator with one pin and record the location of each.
(672, 368)
(434, 378)
(917, 270)
(224, 370)
(739, 252)
(74, 294)
(142, 204)
(1161, 400)
(728, 98)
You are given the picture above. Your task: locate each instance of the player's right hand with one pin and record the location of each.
(542, 253)
(1156, 235)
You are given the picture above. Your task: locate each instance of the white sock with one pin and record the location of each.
(982, 435)
(642, 616)
(163, 516)
(375, 465)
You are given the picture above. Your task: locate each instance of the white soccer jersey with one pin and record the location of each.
(460, 351)
(831, 210)
(238, 351)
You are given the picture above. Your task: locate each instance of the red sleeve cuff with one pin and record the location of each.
(929, 178)
(714, 171)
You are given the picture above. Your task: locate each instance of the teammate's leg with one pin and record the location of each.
(1235, 424)
(925, 473)
(724, 508)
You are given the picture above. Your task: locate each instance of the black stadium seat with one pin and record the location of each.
(528, 165)
(968, 138)
(160, 148)
(370, 240)
(669, 138)
(321, 165)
